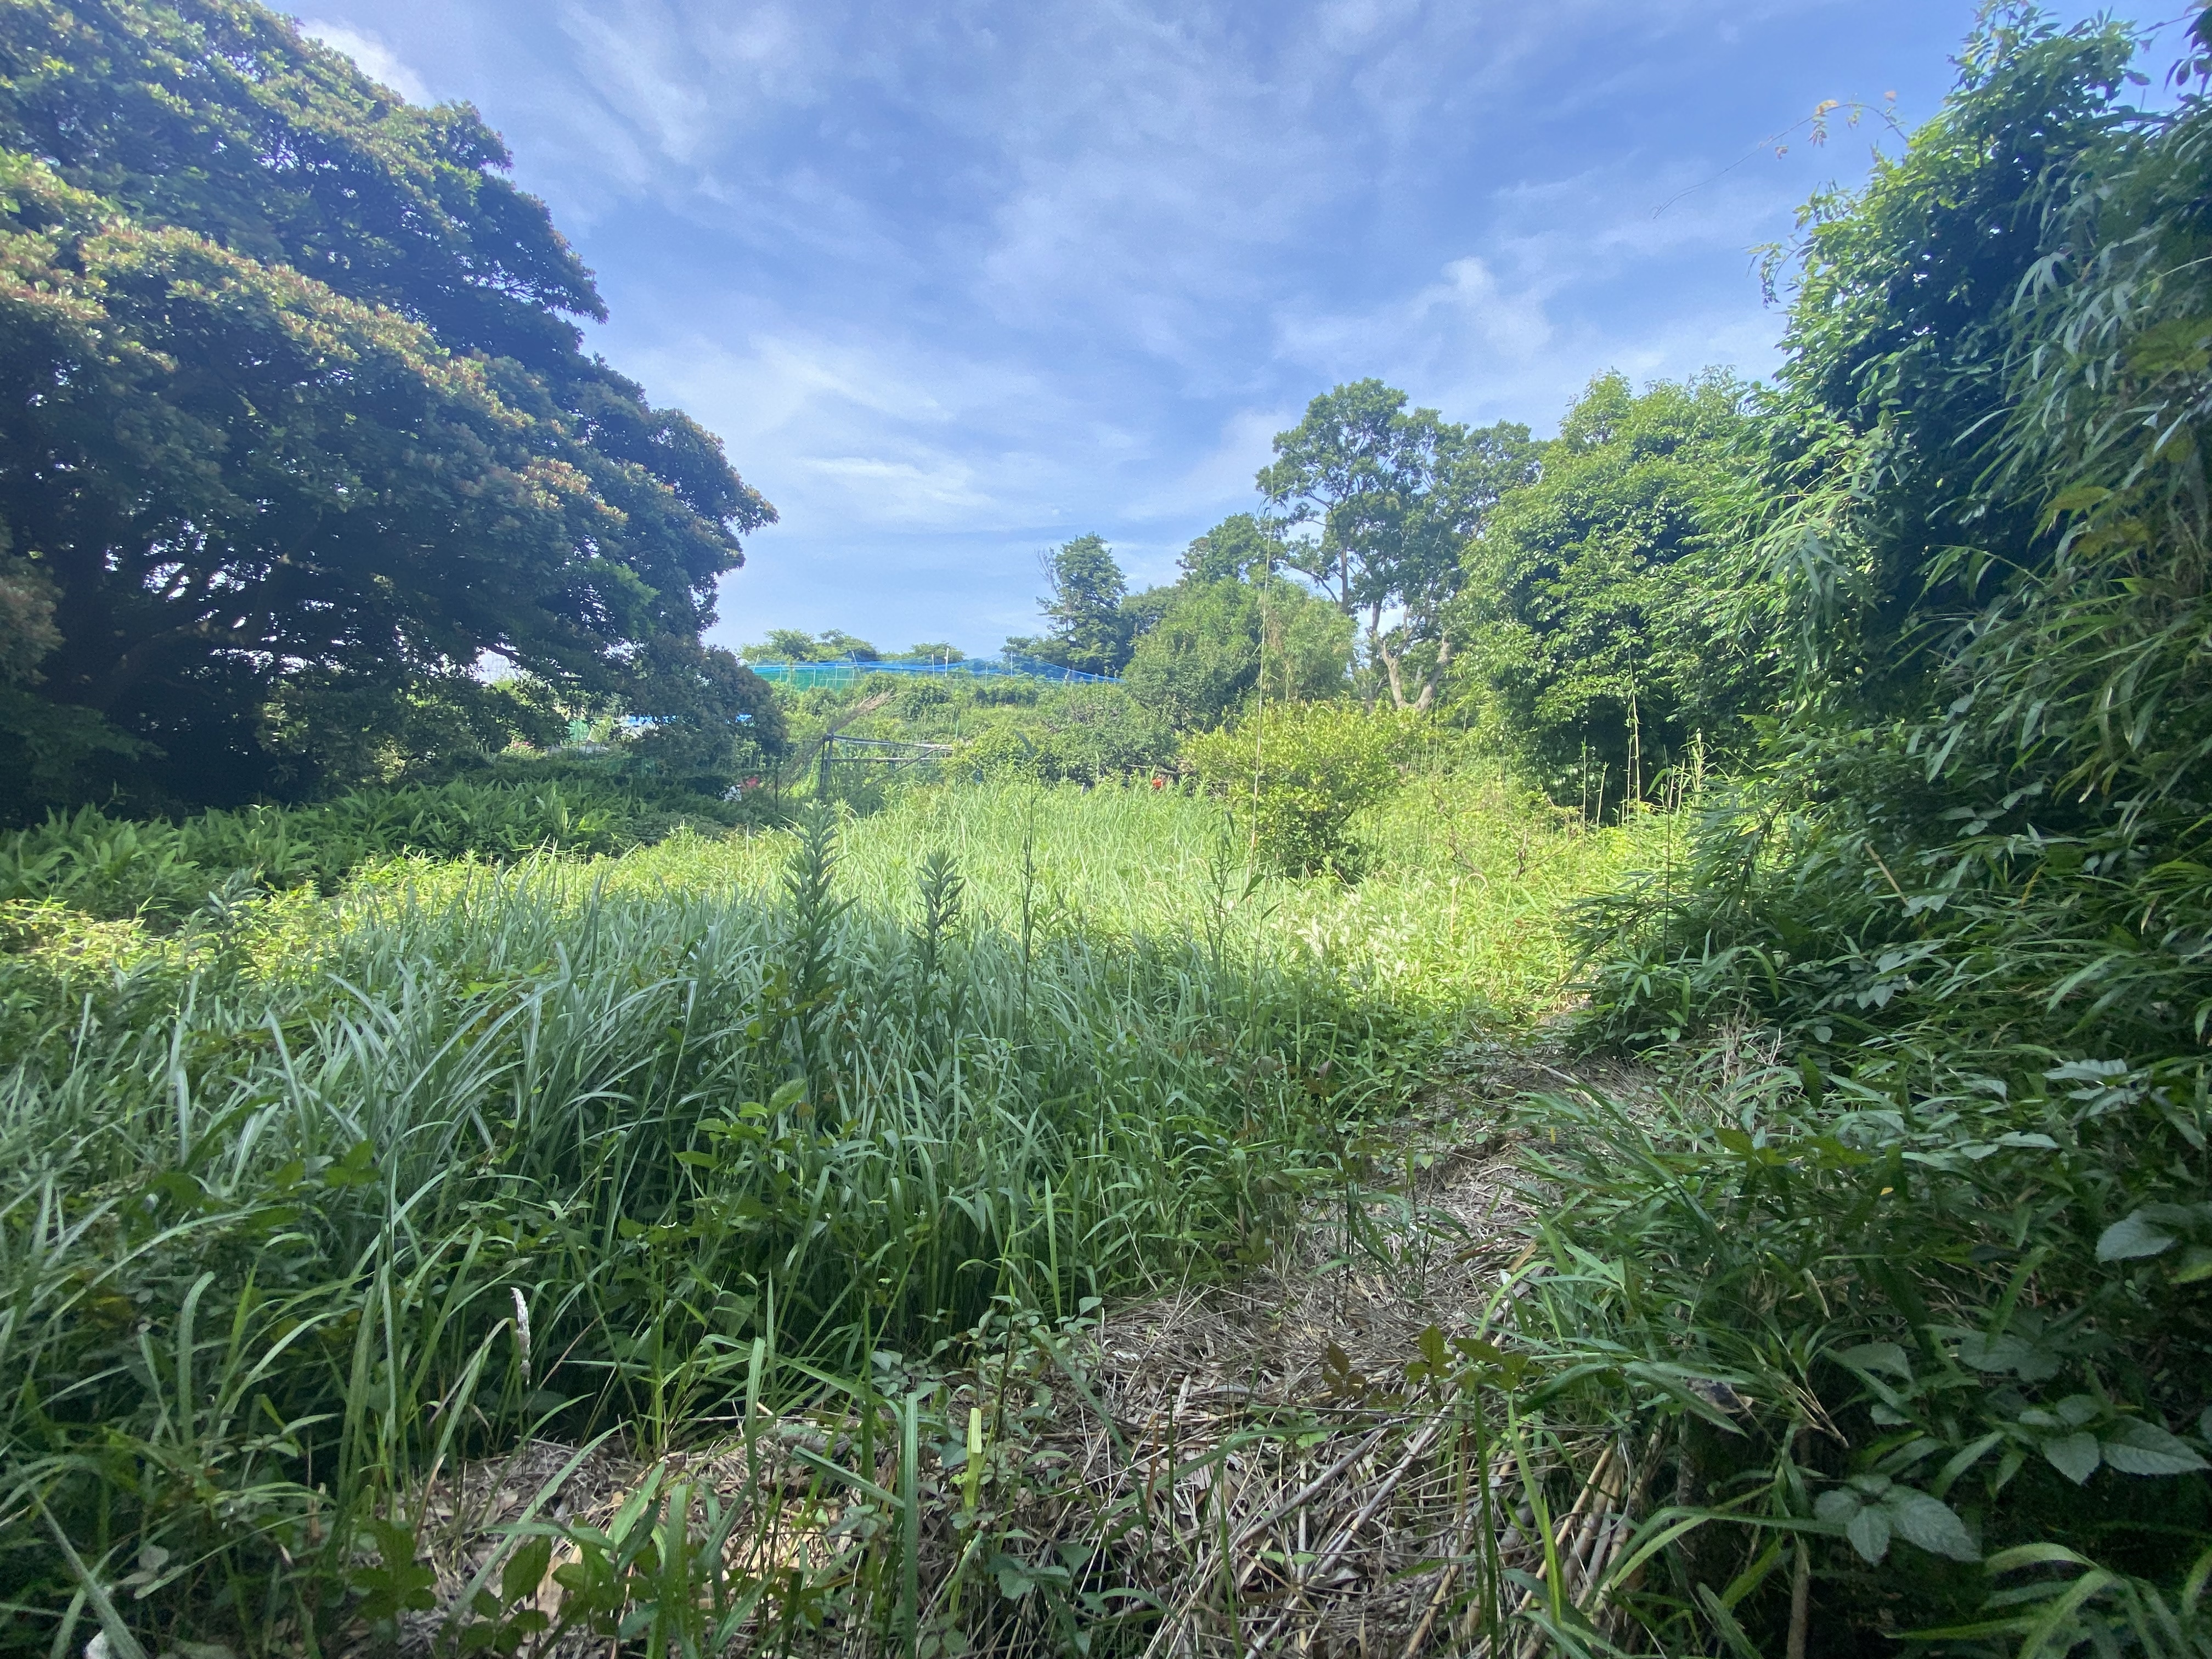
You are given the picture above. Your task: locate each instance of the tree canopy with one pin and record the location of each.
(1583, 610)
(1394, 495)
(796, 645)
(1218, 641)
(1195, 651)
(1242, 545)
(1086, 627)
(295, 399)
(1976, 527)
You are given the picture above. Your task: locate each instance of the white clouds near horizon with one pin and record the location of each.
(954, 280)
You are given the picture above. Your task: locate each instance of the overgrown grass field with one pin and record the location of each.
(308, 1199)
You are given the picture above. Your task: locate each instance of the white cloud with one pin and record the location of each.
(1224, 473)
(374, 59)
(1450, 342)
(678, 81)
(941, 494)
(959, 279)
(888, 435)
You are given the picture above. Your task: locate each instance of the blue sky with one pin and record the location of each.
(956, 282)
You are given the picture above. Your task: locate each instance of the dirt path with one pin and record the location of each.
(1240, 1468)
(1323, 1499)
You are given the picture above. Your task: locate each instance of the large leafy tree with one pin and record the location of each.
(1088, 627)
(1471, 470)
(1980, 527)
(1217, 642)
(1583, 613)
(1243, 545)
(293, 393)
(1348, 469)
(1883, 507)
(1393, 495)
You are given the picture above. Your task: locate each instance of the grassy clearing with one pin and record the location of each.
(1462, 912)
(312, 1200)
(151, 870)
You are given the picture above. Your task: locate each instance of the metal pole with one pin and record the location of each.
(822, 788)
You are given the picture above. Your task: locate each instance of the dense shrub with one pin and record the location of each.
(111, 866)
(1104, 733)
(1205, 655)
(1955, 1244)
(1300, 772)
(1893, 1350)
(1588, 643)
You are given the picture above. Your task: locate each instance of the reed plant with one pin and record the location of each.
(309, 1203)
(116, 867)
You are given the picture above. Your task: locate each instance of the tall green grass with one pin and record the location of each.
(309, 1199)
(1460, 916)
(1884, 1361)
(115, 867)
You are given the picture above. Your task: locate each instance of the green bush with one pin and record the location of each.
(1953, 1247)
(1203, 657)
(1084, 735)
(1587, 612)
(114, 867)
(1302, 771)
(1903, 1350)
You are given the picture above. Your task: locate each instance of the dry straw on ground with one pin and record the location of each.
(1236, 1468)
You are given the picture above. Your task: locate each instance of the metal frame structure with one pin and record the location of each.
(829, 754)
(847, 672)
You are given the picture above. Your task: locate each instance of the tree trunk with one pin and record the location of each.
(1433, 681)
(1389, 660)
(1376, 652)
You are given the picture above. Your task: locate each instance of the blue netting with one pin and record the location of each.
(845, 672)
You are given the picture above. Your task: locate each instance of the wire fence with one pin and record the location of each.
(847, 672)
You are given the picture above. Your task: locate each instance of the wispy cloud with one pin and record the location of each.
(1445, 336)
(1223, 473)
(958, 278)
(852, 432)
(372, 54)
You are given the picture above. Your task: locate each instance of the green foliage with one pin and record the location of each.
(1192, 651)
(1300, 772)
(1085, 734)
(205, 219)
(27, 634)
(1239, 548)
(1890, 1298)
(1981, 815)
(114, 867)
(831, 645)
(330, 732)
(1203, 658)
(1351, 466)
(1964, 889)
(1397, 496)
(475, 1156)
(991, 726)
(711, 719)
(1587, 598)
(1090, 627)
(1902, 1329)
